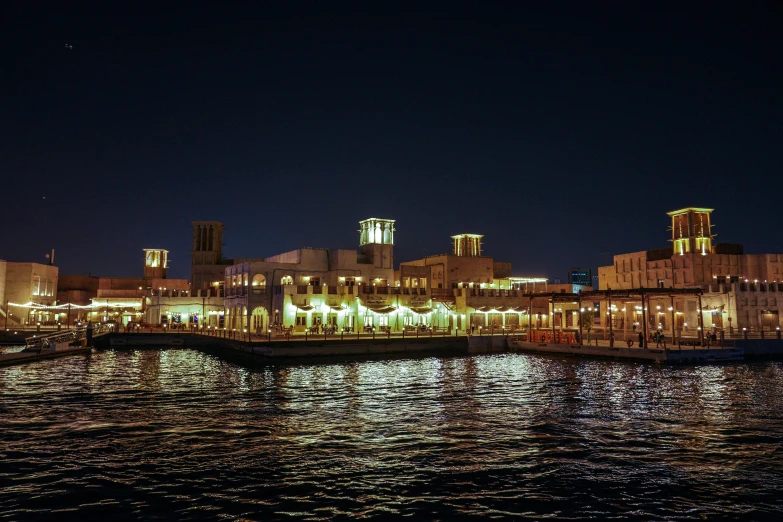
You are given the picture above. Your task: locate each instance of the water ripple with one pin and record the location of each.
(183, 435)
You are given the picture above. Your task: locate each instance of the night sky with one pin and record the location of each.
(562, 132)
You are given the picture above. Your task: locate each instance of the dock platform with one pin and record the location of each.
(9, 359)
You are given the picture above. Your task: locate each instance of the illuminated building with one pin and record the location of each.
(740, 290)
(122, 299)
(312, 287)
(471, 289)
(27, 289)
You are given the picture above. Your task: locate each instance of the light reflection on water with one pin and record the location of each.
(179, 434)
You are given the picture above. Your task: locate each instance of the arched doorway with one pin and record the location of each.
(259, 320)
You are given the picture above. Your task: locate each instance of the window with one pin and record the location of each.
(301, 320)
(286, 280)
(259, 282)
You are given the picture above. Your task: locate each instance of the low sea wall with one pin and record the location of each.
(487, 344)
(760, 348)
(657, 355)
(314, 347)
(446, 345)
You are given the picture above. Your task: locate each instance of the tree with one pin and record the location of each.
(588, 316)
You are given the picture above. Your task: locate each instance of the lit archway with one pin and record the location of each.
(259, 282)
(259, 320)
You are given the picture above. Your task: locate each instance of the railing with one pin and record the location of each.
(442, 293)
(11, 316)
(62, 336)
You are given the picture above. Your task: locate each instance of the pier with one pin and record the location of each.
(53, 345)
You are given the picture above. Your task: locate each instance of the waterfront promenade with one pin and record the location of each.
(366, 344)
(298, 346)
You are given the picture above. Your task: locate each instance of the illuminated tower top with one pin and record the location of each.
(376, 231)
(467, 245)
(156, 261)
(691, 230)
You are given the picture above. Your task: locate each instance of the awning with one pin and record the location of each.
(338, 308)
(420, 309)
(381, 309)
(446, 306)
(305, 308)
(485, 309)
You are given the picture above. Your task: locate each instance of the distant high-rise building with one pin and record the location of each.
(580, 276)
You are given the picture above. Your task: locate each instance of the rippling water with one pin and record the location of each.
(182, 435)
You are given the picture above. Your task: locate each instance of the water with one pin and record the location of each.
(181, 435)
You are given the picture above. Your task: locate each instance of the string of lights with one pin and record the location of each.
(65, 306)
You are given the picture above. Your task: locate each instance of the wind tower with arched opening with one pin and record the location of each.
(376, 242)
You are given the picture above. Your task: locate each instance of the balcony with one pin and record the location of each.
(442, 293)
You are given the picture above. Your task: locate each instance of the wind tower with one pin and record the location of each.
(691, 231)
(376, 241)
(207, 255)
(156, 261)
(467, 245)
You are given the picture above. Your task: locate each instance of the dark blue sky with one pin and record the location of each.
(563, 132)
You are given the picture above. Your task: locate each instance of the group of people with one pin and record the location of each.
(657, 337)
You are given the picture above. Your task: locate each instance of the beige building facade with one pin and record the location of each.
(28, 290)
(741, 291)
(120, 299)
(312, 289)
(471, 291)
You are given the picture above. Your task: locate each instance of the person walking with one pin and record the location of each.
(641, 339)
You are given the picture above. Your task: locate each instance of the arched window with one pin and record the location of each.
(287, 280)
(259, 282)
